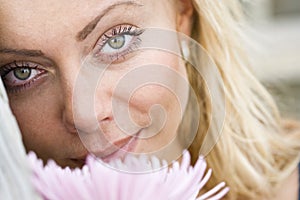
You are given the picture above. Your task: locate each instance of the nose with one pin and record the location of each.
(80, 111)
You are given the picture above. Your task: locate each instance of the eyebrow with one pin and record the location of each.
(23, 52)
(82, 35)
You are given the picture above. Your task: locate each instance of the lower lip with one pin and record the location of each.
(121, 153)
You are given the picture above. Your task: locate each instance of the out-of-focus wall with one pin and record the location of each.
(275, 50)
(286, 7)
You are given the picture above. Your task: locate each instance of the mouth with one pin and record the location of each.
(119, 149)
(116, 150)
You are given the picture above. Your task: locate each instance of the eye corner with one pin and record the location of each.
(127, 32)
(19, 76)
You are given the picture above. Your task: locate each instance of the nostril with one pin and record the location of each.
(69, 124)
(79, 122)
(71, 128)
(106, 119)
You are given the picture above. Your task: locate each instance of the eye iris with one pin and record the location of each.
(22, 73)
(117, 42)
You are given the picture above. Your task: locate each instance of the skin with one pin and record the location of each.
(58, 36)
(45, 110)
(289, 188)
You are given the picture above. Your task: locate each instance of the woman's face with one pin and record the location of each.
(43, 47)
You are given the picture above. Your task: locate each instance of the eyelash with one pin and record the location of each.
(10, 68)
(120, 30)
(116, 55)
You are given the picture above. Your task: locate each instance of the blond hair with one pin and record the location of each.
(254, 154)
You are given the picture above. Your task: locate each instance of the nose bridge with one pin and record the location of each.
(68, 76)
(81, 110)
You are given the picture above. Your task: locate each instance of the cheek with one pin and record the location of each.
(158, 111)
(159, 103)
(37, 118)
(152, 104)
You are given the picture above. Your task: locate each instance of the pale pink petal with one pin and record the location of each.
(123, 180)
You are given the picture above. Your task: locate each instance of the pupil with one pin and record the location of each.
(117, 42)
(22, 73)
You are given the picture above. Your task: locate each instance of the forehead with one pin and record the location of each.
(35, 19)
(26, 13)
(32, 16)
(35, 10)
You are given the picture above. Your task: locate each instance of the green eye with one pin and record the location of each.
(117, 42)
(22, 73)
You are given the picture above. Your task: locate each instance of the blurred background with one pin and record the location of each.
(275, 52)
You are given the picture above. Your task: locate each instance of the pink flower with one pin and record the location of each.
(124, 180)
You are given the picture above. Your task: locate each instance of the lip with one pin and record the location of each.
(117, 149)
(80, 160)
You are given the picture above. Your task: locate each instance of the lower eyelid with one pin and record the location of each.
(37, 79)
(124, 46)
(123, 29)
(114, 56)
